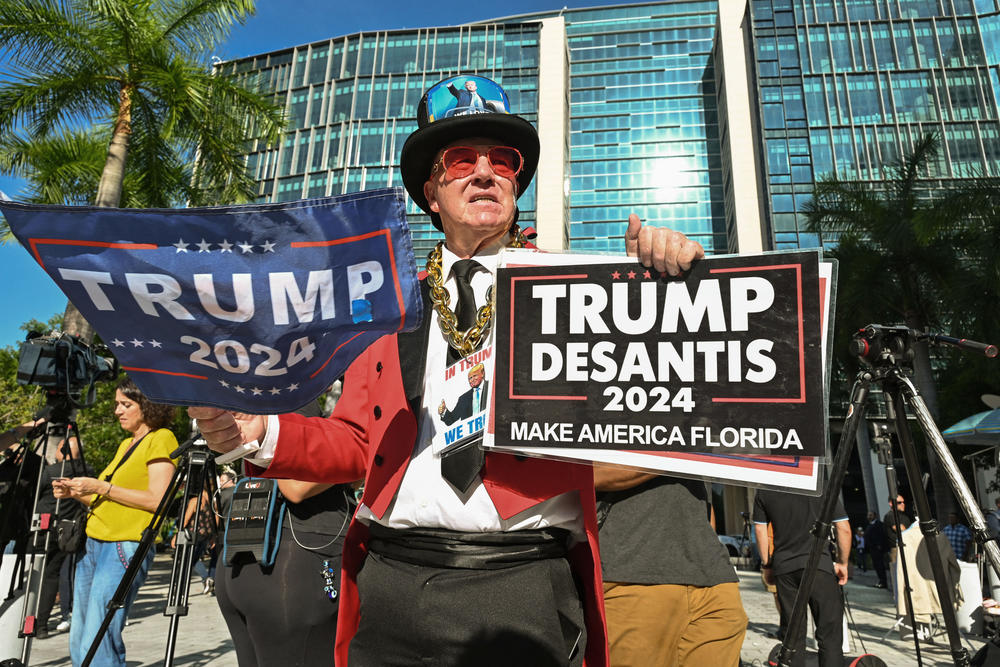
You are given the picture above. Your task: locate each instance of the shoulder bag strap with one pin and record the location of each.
(132, 448)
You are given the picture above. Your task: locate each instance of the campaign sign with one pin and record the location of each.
(616, 356)
(251, 308)
(464, 391)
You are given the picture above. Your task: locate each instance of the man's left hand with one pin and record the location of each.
(841, 572)
(661, 248)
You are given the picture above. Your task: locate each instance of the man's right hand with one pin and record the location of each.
(224, 431)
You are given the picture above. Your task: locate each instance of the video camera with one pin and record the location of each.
(65, 365)
(878, 345)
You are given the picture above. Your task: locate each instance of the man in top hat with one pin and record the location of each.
(469, 559)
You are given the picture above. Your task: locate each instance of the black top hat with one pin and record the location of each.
(450, 111)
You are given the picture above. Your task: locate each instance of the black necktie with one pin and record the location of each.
(465, 309)
(464, 269)
(461, 467)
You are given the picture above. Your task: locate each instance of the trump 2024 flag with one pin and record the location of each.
(250, 308)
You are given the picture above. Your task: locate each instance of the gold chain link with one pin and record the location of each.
(465, 343)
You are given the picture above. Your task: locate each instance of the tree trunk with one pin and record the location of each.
(109, 193)
(109, 190)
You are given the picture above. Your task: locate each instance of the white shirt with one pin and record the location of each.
(424, 498)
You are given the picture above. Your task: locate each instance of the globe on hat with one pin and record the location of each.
(461, 107)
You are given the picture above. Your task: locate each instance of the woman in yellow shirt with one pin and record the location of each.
(122, 500)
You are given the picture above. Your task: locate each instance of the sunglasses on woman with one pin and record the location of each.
(460, 161)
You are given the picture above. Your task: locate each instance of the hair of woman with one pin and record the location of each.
(155, 415)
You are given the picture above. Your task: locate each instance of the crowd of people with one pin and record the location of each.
(470, 558)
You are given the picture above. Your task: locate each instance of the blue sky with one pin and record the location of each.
(28, 293)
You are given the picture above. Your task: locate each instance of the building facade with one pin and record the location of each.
(711, 118)
(846, 87)
(623, 97)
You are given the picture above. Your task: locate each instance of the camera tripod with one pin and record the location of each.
(885, 351)
(196, 472)
(32, 563)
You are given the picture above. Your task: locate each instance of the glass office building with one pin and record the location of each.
(714, 118)
(626, 114)
(846, 87)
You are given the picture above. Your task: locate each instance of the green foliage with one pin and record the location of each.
(915, 254)
(78, 71)
(19, 403)
(929, 259)
(66, 167)
(99, 429)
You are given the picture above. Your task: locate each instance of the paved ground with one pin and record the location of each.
(202, 639)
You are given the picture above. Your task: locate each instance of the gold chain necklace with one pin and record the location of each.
(465, 343)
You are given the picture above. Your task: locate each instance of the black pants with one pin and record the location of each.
(878, 562)
(529, 615)
(827, 607)
(50, 583)
(281, 615)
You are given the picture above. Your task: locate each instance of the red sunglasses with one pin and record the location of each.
(460, 161)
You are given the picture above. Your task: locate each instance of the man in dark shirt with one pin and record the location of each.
(671, 594)
(891, 532)
(67, 464)
(876, 543)
(905, 519)
(791, 517)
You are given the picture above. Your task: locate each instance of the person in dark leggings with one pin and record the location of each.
(286, 614)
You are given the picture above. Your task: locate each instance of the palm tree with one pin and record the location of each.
(897, 251)
(140, 69)
(66, 167)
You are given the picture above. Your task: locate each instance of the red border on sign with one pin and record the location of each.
(34, 242)
(510, 378)
(156, 370)
(801, 398)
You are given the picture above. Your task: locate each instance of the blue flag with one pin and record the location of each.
(250, 308)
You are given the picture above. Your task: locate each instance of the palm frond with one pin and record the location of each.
(200, 25)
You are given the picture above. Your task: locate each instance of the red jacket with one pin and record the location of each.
(371, 434)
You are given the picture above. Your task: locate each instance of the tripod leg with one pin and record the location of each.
(199, 466)
(928, 525)
(855, 417)
(149, 534)
(962, 492)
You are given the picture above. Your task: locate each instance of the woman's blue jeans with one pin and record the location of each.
(99, 570)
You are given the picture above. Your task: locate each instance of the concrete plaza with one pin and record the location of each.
(203, 641)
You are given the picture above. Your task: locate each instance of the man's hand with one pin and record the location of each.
(224, 431)
(661, 248)
(840, 570)
(767, 575)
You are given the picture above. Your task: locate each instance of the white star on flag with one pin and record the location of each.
(203, 246)
(136, 342)
(268, 246)
(156, 343)
(275, 391)
(293, 387)
(223, 383)
(117, 343)
(239, 389)
(257, 392)
(245, 247)
(181, 246)
(225, 246)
